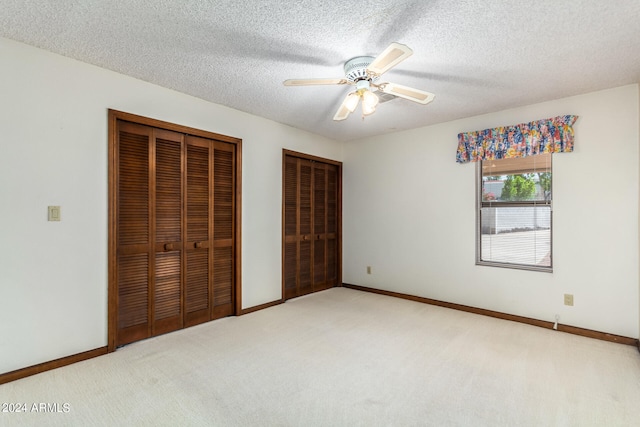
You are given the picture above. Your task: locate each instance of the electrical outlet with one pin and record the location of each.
(368, 269)
(568, 299)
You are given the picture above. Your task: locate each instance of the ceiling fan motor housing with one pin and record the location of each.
(356, 69)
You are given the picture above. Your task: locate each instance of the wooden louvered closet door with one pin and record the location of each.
(210, 229)
(326, 226)
(149, 238)
(224, 160)
(167, 257)
(311, 255)
(175, 231)
(198, 231)
(133, 237)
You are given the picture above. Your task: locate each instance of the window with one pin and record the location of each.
(514, 214)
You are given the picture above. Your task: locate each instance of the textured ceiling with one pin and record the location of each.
(476, 56)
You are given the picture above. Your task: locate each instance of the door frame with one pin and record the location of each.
(113, 117)
(338, 164)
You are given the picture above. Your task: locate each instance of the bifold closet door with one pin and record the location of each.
(168, 259)
(198, 231)
(175, 244)
(297, 227)
(310, 254)
(149, 237)
(210, 203)
(224, 205)
(325, 223)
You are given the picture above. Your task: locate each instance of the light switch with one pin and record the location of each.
(54, 213)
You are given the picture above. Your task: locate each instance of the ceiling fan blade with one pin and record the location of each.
(389, 58)
(307, 82)
(406, 92)
(348, 105)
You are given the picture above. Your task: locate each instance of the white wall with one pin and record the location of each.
(53, 151)
(409, 212)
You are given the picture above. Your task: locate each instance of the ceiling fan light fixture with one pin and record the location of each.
(369, 99)
(363, 73)
(352, 101)
(369, 102)
(367, 109)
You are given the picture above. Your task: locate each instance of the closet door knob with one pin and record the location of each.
(197, 245)
(168, 246)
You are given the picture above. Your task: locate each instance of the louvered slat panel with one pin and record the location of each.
(332, 225)
(223, 194)
(167, 285)
(332, 199)
(290, 196)
(197, 193)
(197, 280)
(290, 263)
(133, 189)
(305, 267)
(168, 191)
(290, 266)
(223, 230)
(305, 197)
(133, 290)
(332, 261)
(222, 275)
(319, 202)
(318, 262)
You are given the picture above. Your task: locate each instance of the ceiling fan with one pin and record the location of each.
(363, 73)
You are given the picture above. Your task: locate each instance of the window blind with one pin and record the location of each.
(515, 212)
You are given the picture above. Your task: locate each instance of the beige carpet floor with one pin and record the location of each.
(344, 358)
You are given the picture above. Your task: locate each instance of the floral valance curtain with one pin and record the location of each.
(554, 135)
